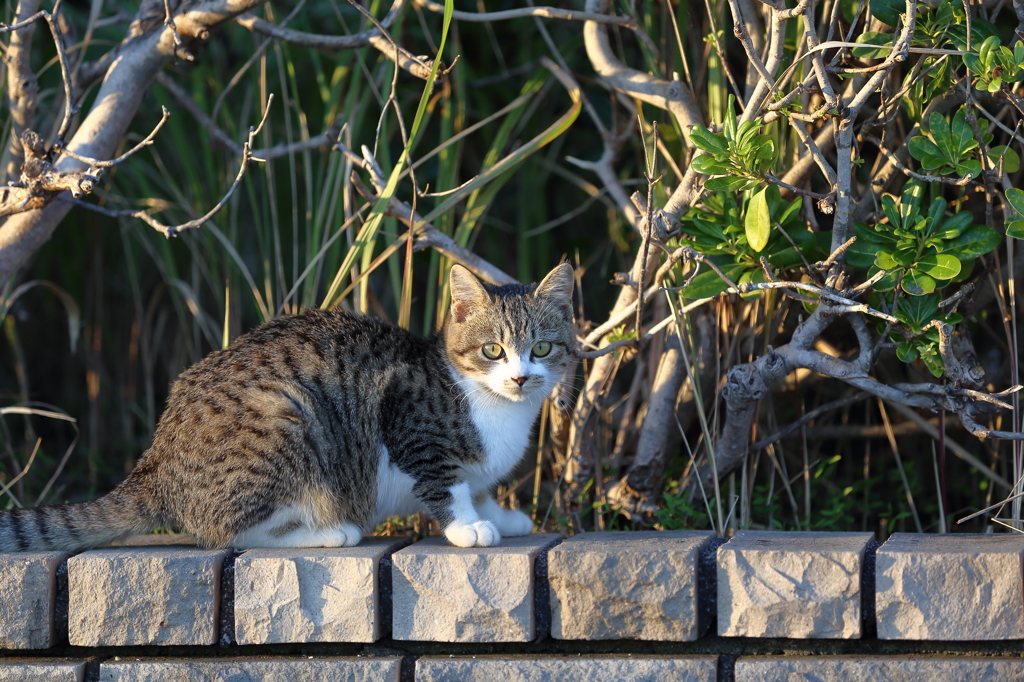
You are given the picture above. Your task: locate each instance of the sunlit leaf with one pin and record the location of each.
(939, 266)
(757, 222)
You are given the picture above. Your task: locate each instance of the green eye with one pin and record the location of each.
(493, 351)
(541, 348)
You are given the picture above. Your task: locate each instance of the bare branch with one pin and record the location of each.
(544, 12)
(179, 47)
(174, 230)
(94, 163)
(277, 151)
(672, 96)
(371, 37)
(140, 57)
(22, 86)
(425, 234)
(809, 417)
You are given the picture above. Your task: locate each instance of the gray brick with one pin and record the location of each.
(800, 585)
(41, 670)
(152, 595)
(627, 585)
(264, 669)
(569, 668)
(950, 587)
(27, 595)
(310, 595)
(879, 669)
(474, 594)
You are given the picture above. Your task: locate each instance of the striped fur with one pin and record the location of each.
(283, 438)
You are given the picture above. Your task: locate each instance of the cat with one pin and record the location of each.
(311, 429)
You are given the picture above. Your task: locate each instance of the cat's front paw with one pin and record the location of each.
(476, 534)
(514, 523)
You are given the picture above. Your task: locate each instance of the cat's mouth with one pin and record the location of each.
(520, 392)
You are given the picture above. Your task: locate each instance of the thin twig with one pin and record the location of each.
(173, 230)
(95, 163)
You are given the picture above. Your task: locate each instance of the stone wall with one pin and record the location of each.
(596, 607)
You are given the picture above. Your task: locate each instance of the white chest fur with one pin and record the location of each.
(504, 427)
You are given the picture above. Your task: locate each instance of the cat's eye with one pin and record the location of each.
(541, 348)
(493, 351)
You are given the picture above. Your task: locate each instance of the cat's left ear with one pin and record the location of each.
(557, 288)
(467, 292)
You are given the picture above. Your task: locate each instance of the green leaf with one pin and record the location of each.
(705, 140)
(707, 283)
(873, 38)
(918, 311)
(940, 131)
(939, 266)
(954, 227)
(910, 204)
(888, 11)
(922, 148)
(966, 266)
(916, 283)
(727, 183)
(888, 282)
(885, 261)
(904, 257)
(906, 352)
(862, 253)
(985, 51)
(973, 242)
(972, 62)
(1016, 199)
(1015, 229)
(962, 135)
(933, 361)
(968, 168)
(709, 164)
(1011, 161)
(757, 222)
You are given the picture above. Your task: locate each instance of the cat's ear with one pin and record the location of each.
(467, 292)
(557, 288)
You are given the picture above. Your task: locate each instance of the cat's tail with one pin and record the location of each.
(79, 526)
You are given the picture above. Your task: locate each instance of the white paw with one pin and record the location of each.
(477, 534)
(513, 523)
(345, 535)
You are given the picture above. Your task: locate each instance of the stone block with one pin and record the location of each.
(310, 595)
(950, 587)
(800, 585)
(28, 593)
(41, 670)
(140, 596)
(627, 585)
(570, 668)
(878, 669)
(473, 594)
(263, 669)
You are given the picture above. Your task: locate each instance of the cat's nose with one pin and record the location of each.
(520, 380)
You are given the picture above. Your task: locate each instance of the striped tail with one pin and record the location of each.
(75, 527)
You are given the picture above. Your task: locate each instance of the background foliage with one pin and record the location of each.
(115, 310)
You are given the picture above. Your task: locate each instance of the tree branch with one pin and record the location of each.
(673, 96)
(374, 37)
(140, 58)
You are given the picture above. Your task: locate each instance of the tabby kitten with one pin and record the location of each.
(311, 429)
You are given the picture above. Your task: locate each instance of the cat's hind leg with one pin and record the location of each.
(509, 523)
(289, 527)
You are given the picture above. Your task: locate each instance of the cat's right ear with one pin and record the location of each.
(467, 292)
